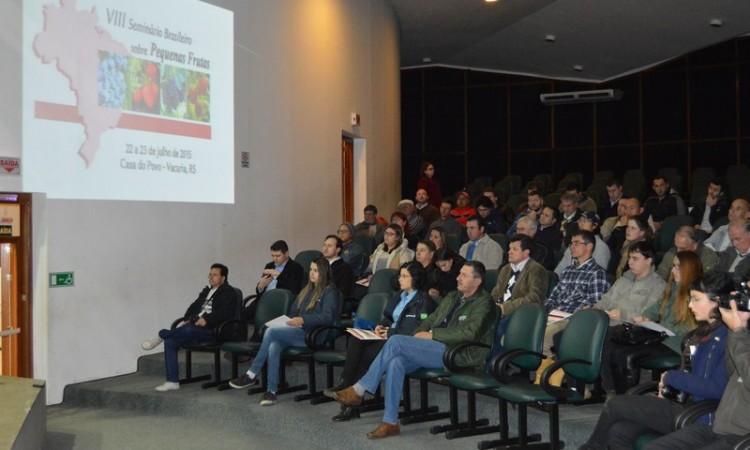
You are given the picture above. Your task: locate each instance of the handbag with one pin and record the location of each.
(630, 334)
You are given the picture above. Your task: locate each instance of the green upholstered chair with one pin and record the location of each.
(381, 281)
(579, 355)
(370, 308)
(304, 258)
(314, 341)
(227, 330)
(453, 242)
(490, 279)
(271, 304)
(441, 376)
(659, 364)
(525, 332)
(665, 237)
(552, 279)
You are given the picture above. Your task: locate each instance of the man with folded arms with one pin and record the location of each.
(467, 314)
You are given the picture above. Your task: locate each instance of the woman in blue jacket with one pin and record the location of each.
(702, 375)
(402, 315)
(317, 304)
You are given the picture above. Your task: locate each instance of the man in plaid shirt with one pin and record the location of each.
(581, 285)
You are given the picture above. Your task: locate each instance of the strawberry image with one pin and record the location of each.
(136, 97)
(152, 72)
(202, 85)
(148, 96)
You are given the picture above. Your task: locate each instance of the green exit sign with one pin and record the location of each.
(61, 279)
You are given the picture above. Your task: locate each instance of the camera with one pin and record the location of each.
(742, 297)
(673, 394)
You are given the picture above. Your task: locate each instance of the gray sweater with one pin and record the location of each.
(631, 295)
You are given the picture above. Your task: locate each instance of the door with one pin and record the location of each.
(15, 285)
(347, 178)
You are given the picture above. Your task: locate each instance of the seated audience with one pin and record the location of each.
(503, 211)
(371, 226)
(425, 256)
(399, 219)
(341, 272)
(352, 253)
(282, 272)
(480, 246)
(549, 235)
(730, 425)
(632, 208)
(609, 206)
(463, 210)
(636, 231)
(569, 216)
(403, 313)
(588, 221)
(719, 239)
(687, 239)
(584, 202)
(534, 203)
(702, 375)
(392, 253)
(317, 304)
(449, 263)
(664, 203)
(735, 260)
(426, 211)
(521, 281)
(216, 303)
(444, 327)
(493, 222)
(527, 226)
(416, 224)
(437, 237)
(447, 222)
(706, 212)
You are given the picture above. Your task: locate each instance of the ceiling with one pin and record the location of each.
(606, 39)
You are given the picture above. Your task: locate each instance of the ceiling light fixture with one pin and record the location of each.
(578, 68)
(716, 23)
(550, 38)
(490, 1)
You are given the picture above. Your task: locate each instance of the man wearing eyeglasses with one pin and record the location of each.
(581, 285)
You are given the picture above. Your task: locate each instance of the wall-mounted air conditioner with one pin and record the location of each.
(562, 98)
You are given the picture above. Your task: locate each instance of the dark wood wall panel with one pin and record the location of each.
(691, 112)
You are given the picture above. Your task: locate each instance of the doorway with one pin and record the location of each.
(347, 178)
(15, 285)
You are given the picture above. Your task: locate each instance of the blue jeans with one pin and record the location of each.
(399, 356)
(275, 340)
(174, 339)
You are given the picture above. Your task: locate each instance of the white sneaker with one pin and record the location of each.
(150, 344)
(168, 386)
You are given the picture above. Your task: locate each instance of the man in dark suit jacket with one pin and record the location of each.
(343, 274)
(281, 273)
(521, 281)
(735, 260)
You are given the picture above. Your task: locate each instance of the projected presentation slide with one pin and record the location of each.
(128, 100)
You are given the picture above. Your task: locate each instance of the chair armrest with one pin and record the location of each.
(452, 352)
(177, 322)
(693, 412)
(313, 335)
(743, 444)
(644, 388)
(223, 326)
(557, 391)
(501, 362)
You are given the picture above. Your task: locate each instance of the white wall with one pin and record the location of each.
(301, 69)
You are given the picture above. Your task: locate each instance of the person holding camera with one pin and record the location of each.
(702, 376)
(216, 303)
(731, 424)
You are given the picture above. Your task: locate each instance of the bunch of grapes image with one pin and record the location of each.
(143, 86)
(173, 88)
(199, 97)
(111, 79)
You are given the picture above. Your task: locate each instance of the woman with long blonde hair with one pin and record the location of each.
(317, 304)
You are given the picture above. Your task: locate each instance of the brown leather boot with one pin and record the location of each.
(385, 429)
(347, 397)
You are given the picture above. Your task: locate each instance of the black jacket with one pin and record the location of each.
(421, 306)
(290, 278)
(223, 305)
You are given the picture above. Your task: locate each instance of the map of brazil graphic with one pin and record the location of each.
(148, 91)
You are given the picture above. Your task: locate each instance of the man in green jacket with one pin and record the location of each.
(467, 314)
